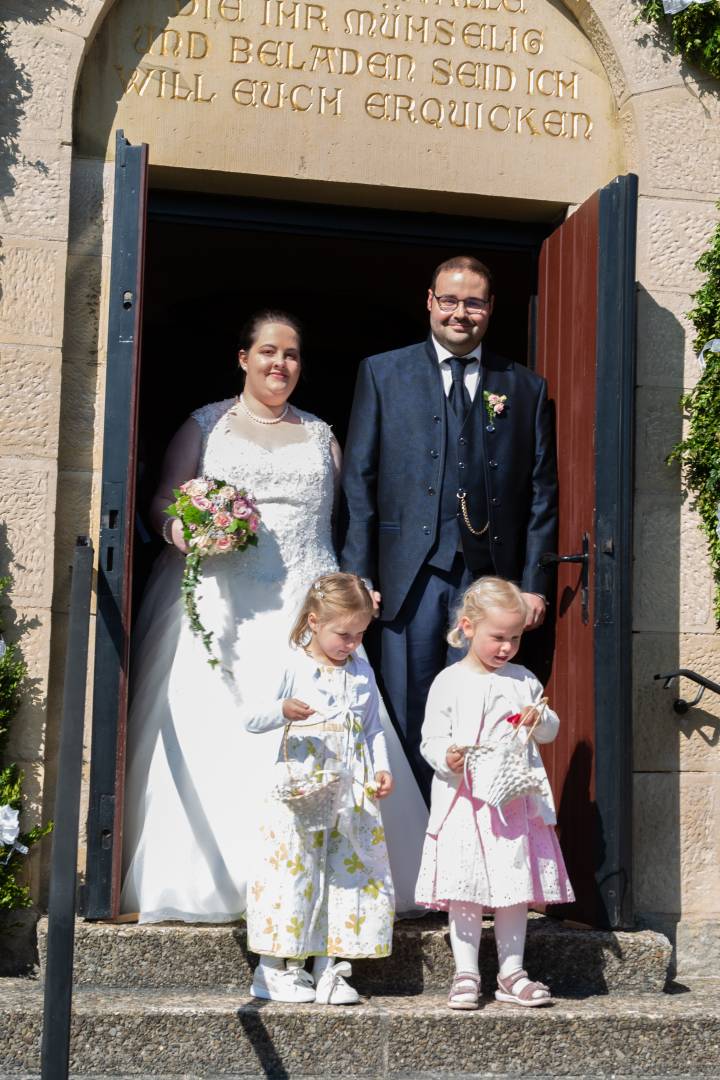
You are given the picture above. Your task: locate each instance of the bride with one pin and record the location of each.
(195, 778)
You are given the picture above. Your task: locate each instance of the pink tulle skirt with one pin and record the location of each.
(477, 858)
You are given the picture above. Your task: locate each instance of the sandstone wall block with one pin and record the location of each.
(38, 205)
(679, 130)
(673, 587)
(29, 404)
(665, 354)
(31, 305)
(74, 15)
(82, 406)
(657, 838)
(700, 839)
(91, 204)
(85, 306)
(27, 511)
(78, 514)
(658, 427)
(48, 60)
(672, 234)
(664, 741)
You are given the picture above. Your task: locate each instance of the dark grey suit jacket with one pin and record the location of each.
(394, 462)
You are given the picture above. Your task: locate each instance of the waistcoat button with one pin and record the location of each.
(426, 529)
(462, 440)
(436, 419)
(493, 464)
(433, 454)
(431, 491)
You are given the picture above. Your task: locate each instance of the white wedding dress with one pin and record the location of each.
(195, 778)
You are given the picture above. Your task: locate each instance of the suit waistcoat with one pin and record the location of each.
(464, 470)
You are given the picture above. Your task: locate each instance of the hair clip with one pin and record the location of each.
(317, 589)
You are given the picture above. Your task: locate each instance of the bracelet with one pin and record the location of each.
(166, 526)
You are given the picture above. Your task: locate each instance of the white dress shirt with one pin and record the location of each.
(471, 377)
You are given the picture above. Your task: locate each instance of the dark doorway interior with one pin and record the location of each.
(358, 286)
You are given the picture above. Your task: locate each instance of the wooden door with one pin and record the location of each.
(585, 349)
(107, 769)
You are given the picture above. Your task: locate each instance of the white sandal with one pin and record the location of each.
(531, 995)
(465, 991)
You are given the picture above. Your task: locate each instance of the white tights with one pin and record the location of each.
(465, 928)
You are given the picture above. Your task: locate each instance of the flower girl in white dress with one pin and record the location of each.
(478, 856)
(322, 884)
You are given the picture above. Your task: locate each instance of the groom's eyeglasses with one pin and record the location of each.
(473, 304)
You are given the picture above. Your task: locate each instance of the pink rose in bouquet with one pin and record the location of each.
(217, 518)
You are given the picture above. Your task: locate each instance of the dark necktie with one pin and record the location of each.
(459, 398)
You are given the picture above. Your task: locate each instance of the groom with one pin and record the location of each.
(449, 474)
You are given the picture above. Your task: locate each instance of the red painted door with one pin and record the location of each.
(585, 349)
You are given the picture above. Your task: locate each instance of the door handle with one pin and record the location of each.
(550, 558)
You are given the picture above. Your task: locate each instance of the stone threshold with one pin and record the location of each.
(224, 1033)
(571, 960)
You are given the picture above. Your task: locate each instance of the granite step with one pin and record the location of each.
(223, 1033)
(570, 960)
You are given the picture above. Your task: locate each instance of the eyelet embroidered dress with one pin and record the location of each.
(195, 777)
(470, 854)
(326, 892)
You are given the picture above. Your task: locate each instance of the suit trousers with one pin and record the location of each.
(410, 651)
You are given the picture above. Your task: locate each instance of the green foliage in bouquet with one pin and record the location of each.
(13, 670)
(695, 32)
(699, 452)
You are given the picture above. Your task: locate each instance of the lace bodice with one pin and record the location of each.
(293, 486)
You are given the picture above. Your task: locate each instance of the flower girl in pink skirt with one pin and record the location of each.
(478, 856)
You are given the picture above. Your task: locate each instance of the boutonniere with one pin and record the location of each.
(494, 404)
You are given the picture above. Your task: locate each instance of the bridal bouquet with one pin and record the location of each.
(216, 518)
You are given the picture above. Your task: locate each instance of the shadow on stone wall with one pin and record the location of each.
(16, 89)
(660, 609)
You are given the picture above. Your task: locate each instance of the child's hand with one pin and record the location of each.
(455, 759)
(294, 709)
(384, 784)
(529, 715)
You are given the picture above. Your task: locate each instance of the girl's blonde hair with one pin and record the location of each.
(331, 594)
(483, 595)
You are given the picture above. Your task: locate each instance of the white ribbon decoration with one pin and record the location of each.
(672, 7)
(712, 346)
(9, 825)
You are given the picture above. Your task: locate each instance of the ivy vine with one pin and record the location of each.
(14, 892)
(695, 32)
(699, 452)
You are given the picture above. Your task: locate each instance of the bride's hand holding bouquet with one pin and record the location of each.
(216, 518)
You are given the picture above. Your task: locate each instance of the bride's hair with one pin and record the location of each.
(483, 595)
(329, 595)
(251, 328)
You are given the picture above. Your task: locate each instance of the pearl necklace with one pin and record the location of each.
(262, 419)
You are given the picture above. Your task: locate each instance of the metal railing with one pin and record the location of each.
(55, 1052)
(680, 705)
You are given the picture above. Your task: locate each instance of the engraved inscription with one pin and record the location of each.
(444, 65)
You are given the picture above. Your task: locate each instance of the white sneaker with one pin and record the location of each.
(333, 990)
(293, 984)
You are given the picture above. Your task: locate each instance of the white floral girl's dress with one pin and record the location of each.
(324, 893)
